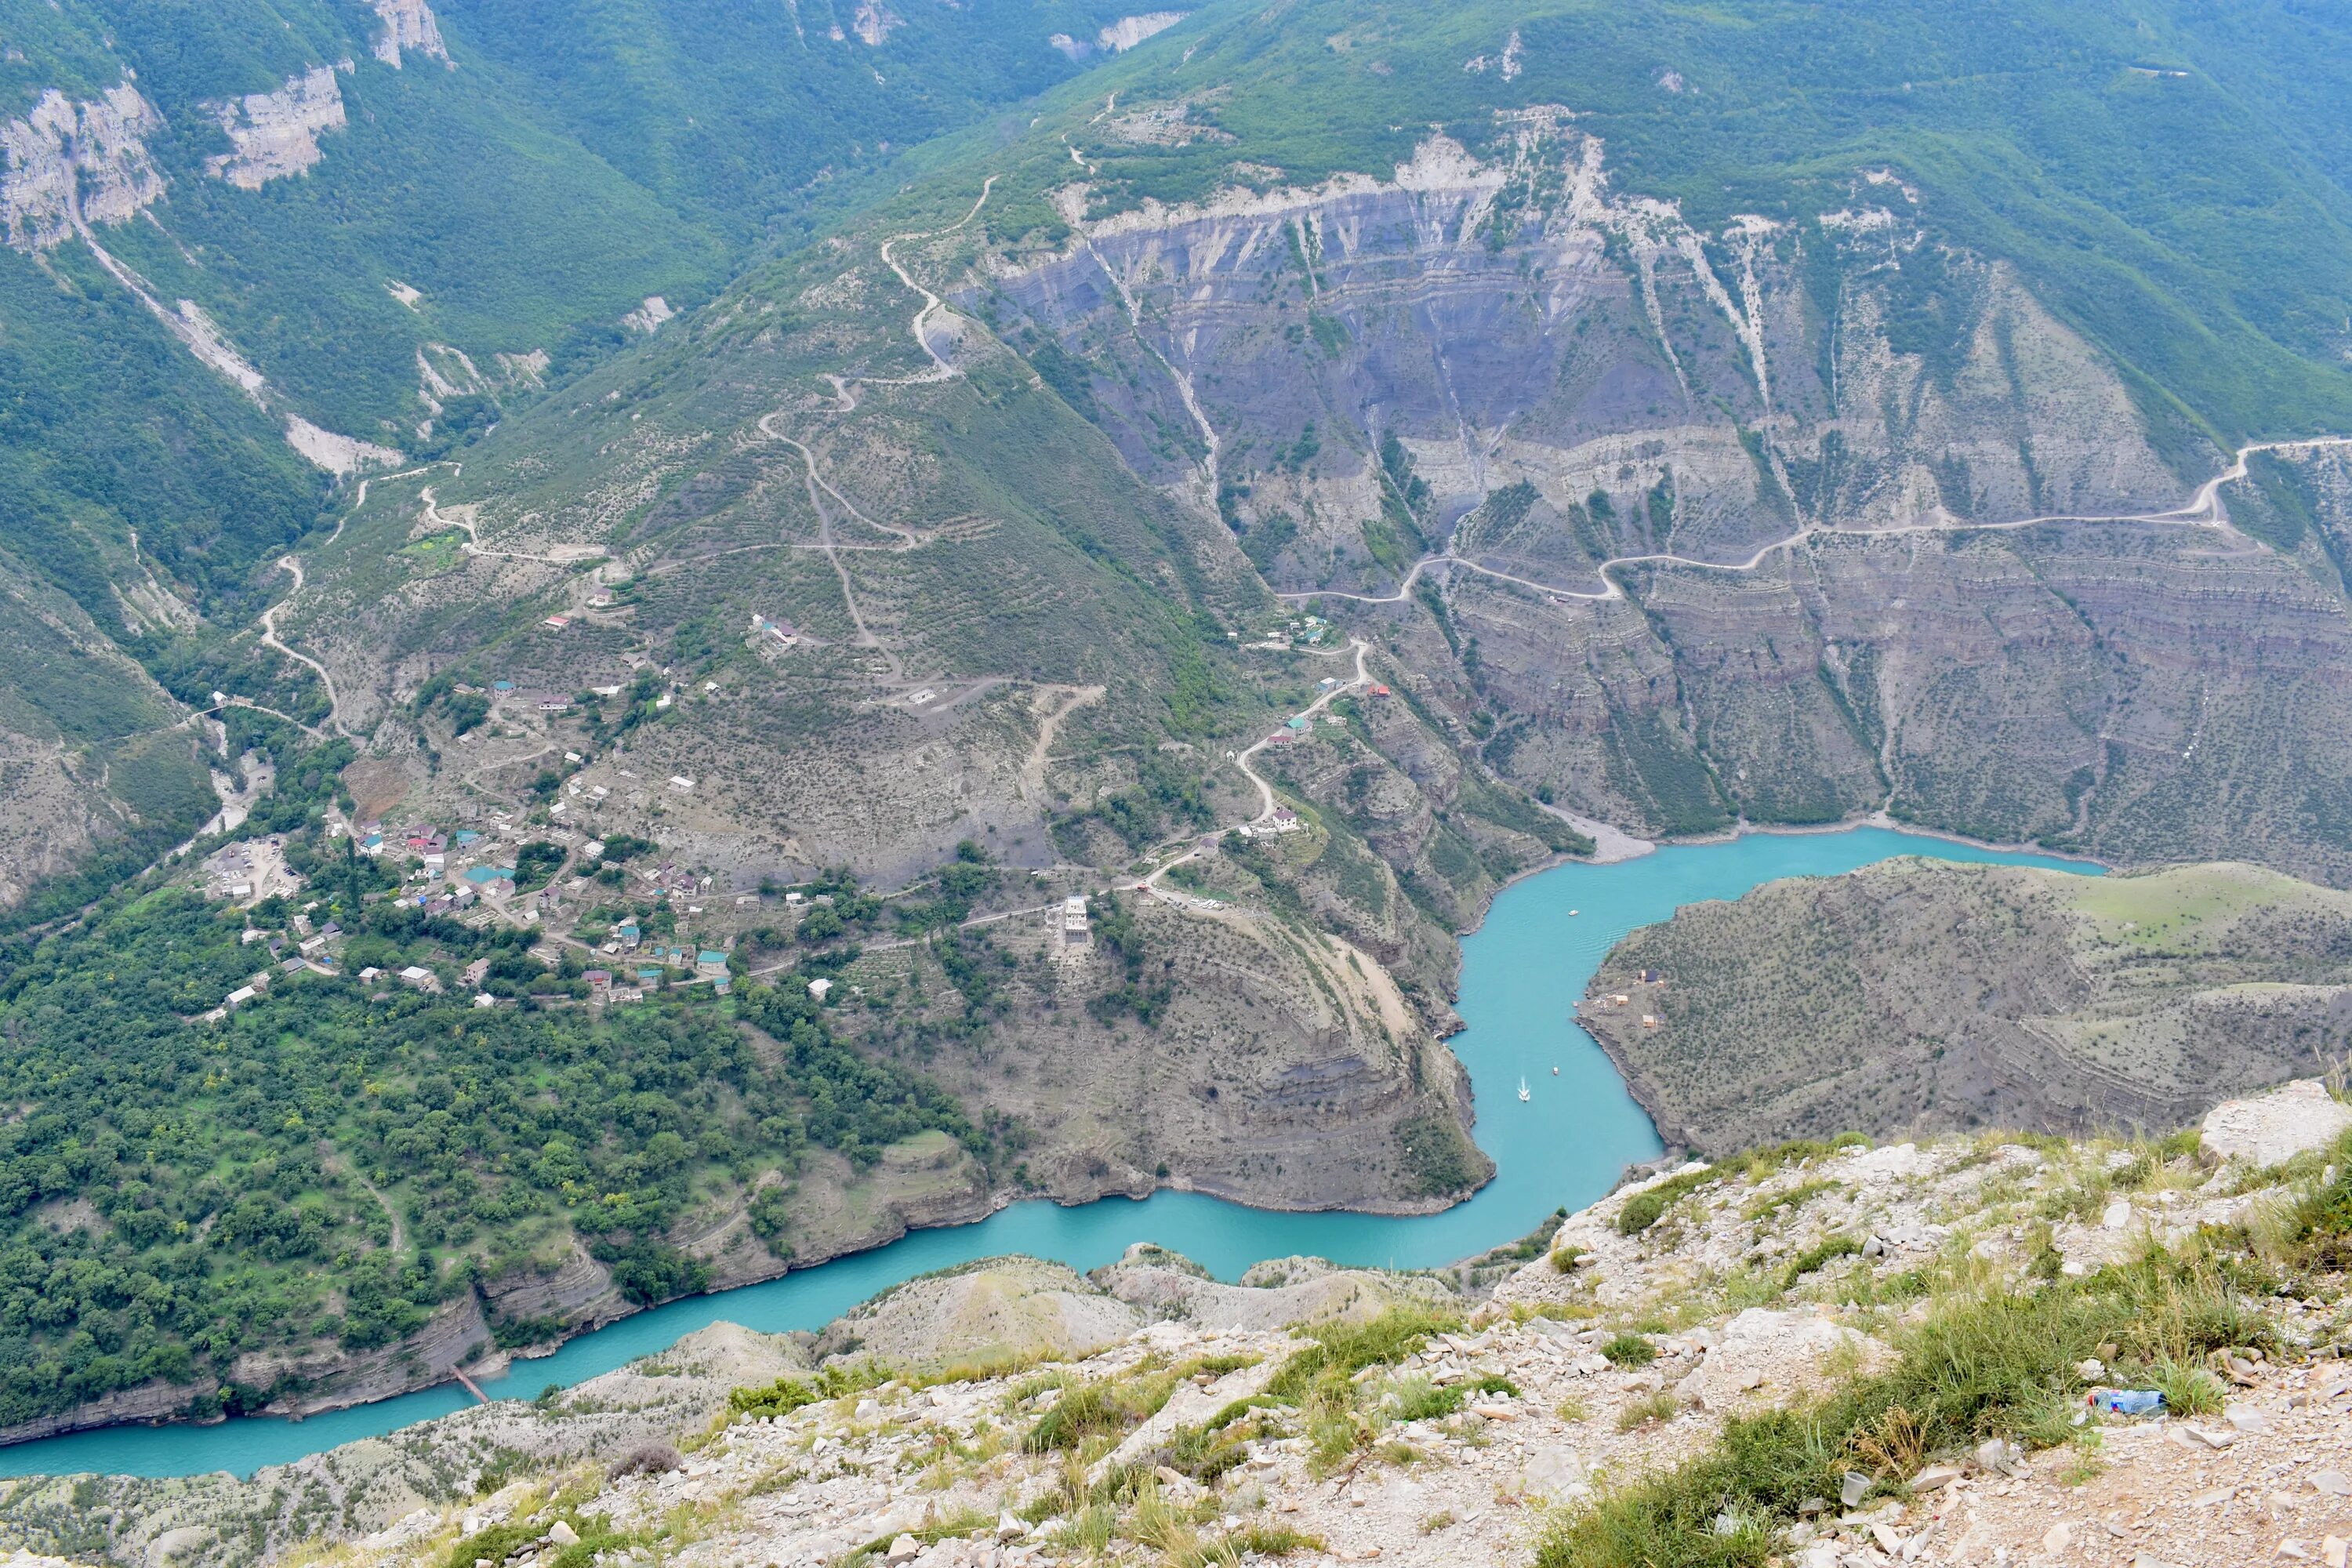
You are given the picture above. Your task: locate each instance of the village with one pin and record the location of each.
(578, 868)
(538, 821)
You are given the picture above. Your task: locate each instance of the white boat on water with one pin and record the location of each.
(1523, 1091)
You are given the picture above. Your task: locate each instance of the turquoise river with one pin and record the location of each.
(1522, 975)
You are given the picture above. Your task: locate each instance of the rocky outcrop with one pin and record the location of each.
(578, 1291)
(1918, 995)
(649, 315)
(1003, 1308)
(337, 454)
(276, 134)
(1128, 31)
(1271, 1294)
(156, 1401)
(71, 164)
(2272, 1129)
(330, 1377)
(409, 26)
(875, 22)
(401, 1482)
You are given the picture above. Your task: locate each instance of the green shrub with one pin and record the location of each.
(1418, 1399)
(787, 1394)
(2188, 1390)
(1813, 1257)
(2323, 1220)
(1982, 1363)
(1644, 1208)
(1629, 1350)
(1343, 1350)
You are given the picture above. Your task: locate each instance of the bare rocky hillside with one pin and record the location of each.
(1917, 996)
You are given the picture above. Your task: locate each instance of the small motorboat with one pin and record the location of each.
(1555, 1072)
(1573, 913)
(1524, 1095)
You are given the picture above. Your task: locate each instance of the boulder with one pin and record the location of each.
(1556, 1473)
(2272, 1129)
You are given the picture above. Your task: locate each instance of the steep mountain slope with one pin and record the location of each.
(1918, 996)
(1363, 428)
(99, 772)
(254, 247)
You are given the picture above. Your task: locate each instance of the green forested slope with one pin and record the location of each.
(560, 166)
(174, 1198)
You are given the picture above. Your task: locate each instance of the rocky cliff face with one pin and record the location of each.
(1812, 451)
(1513, 318)
(409, 27)
(277, 134)
(70, 164)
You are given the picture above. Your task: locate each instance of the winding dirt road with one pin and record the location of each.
(269, 640)
(1149, 882)
(2203, 511)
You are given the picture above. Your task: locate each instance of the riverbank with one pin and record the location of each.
(1485, 1406)
(1523, 971)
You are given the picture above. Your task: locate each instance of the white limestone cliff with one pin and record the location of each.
(408, 24)
(276, 134)
(1128, 31)
(69, 163)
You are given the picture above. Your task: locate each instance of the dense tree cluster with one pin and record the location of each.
(176, 1193)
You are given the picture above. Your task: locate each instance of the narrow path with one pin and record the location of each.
(269, 640)
(457, 470)
(564, 555)
(940, 369)
(335, 1163)
(1032, 767)
(1149, 883)
(817, 490)
(293, 564)
(2203, 511)
(819, 487)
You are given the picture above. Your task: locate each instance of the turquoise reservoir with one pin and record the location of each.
(1522, 975)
